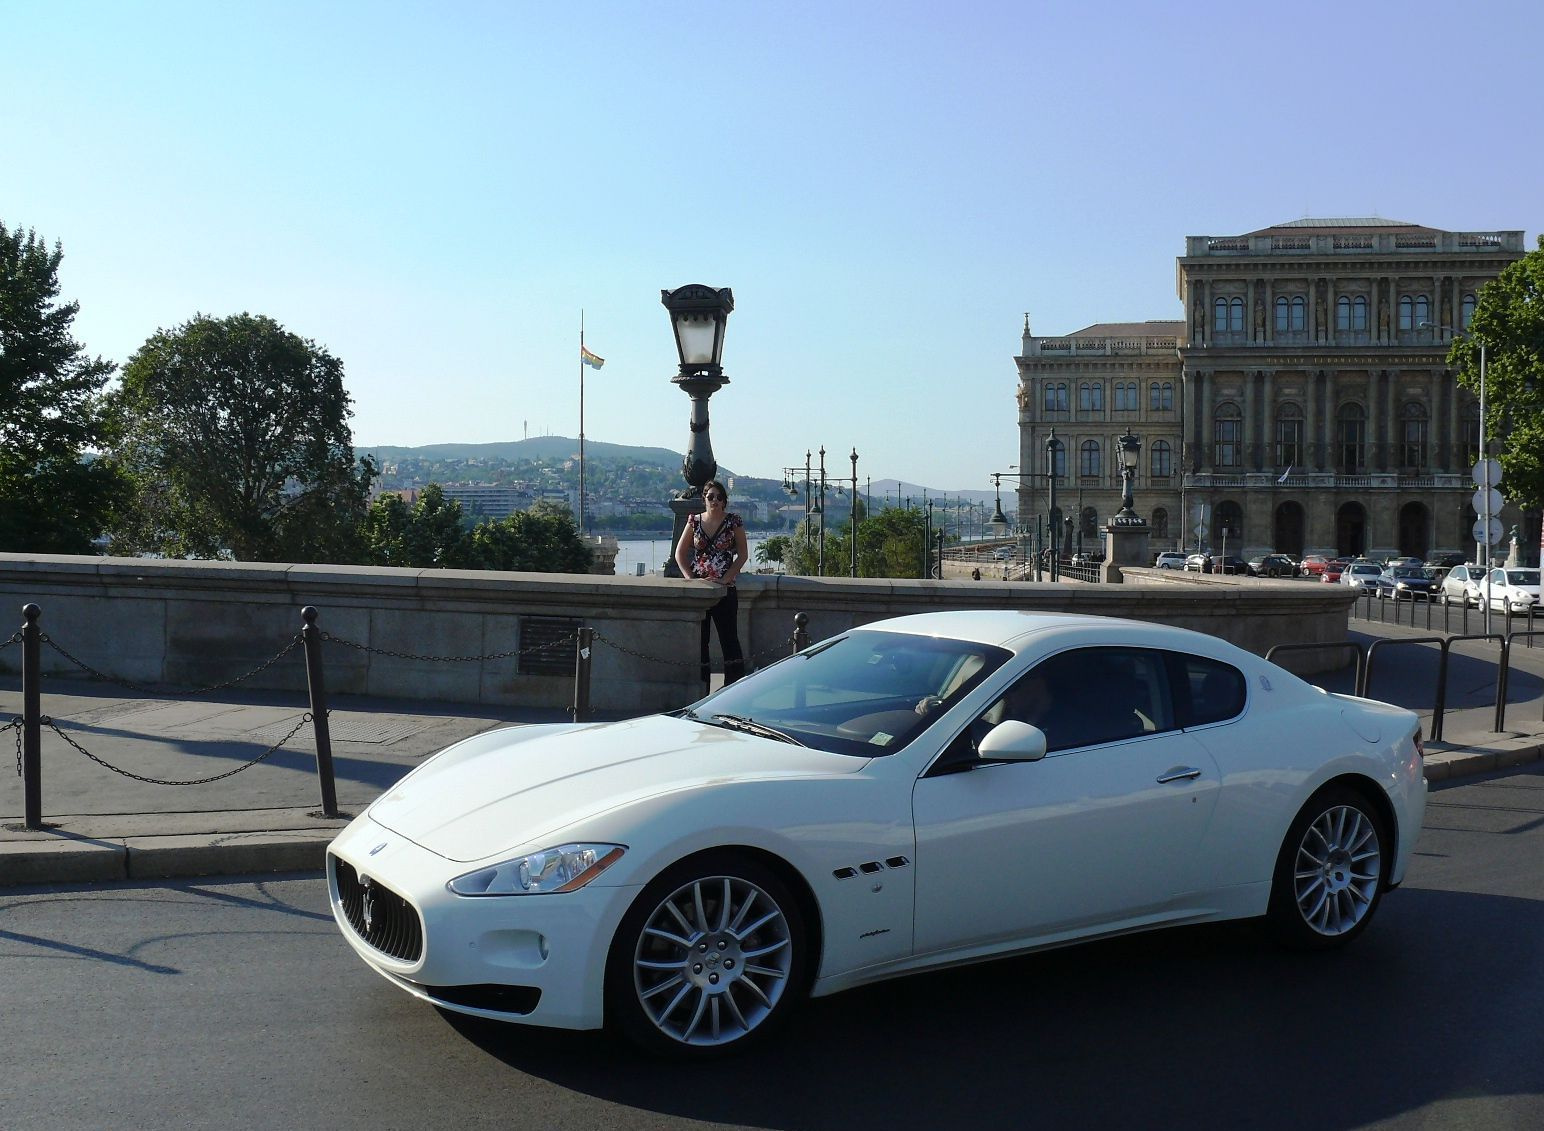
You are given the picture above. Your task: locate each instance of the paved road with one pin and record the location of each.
(233, 1004)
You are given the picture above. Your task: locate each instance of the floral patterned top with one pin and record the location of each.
(712, 556)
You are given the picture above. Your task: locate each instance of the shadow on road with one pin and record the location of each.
(1210, 1024)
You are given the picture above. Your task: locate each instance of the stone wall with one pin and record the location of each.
(181, 624)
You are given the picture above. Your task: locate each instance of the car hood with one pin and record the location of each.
(508, 793)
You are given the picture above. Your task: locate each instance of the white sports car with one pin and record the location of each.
(916, 793)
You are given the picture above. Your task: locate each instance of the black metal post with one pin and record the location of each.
(32, 716)
(581, 707)
(801, 636)
(311, 636)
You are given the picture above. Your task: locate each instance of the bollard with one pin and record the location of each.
(801, 636)
(312, 638)
(32, 717)
(581, 708)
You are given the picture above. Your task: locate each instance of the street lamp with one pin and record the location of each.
(1482, 467)
(1130, 454)
(852, 529)
(698, 315)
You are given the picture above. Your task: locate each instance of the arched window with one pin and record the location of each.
(1282, 314)
(1359, 313)
(1422, 310)
(1413, 421)
(1161, 460)
(1058, 459)
(1091, 397)
(1228, 315)
(1220, 315)
(1406, 313)
(1088, 459)
(1342, 313)
(1161, 396)
(1228, 432)
(1466, 314)
(1351, 436)
(1126, 396)
(1055, 397)
(1289, 436)
(1299, 313)
(1236, 309)
(1160, 522)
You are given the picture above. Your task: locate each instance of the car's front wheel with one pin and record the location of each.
(709, 958)
(1330, 872)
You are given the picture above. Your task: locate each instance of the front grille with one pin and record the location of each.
(378, 915)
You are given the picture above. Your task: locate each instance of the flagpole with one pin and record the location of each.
(581, 424)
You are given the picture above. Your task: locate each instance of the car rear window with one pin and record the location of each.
(1216, 691)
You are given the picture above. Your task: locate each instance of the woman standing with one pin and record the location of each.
(713, 549)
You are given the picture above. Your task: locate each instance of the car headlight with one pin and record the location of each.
(567, 867)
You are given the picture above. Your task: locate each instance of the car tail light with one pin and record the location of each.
(1420, 745)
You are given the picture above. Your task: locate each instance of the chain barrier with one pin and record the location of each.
(548, 646)
(776, 652)
(103, 677)
(16, 725)
(15, 639)
(49, 723)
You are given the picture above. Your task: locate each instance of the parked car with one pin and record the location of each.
(1461, 585)
(1199, 563)
(1446, 560)
(1313, 565)
(1403, 583)
(1331, 574)
(1170, 559)
(1272, 565)
(688, 878)
(1003, 553)
(1516, 589)
(1405, 560)
(1360, 572)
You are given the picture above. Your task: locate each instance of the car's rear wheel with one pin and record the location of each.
(709, 958)
(1329, 875)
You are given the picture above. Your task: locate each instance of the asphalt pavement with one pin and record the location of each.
(136, 786)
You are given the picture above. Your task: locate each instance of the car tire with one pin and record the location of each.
(1330, 873)
(743, 924)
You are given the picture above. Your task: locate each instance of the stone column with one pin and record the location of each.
(1436, 455)
(1455, 420)
(1268, 414)
(1313, 452)
(1391, 391)
(1250, 461)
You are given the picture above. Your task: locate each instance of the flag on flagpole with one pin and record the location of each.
(590, 359)
(1285, 473)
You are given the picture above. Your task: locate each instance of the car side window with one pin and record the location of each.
(1086, 697)
(1209, 691)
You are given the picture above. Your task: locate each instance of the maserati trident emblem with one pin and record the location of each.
(367, 902)
(377, 848)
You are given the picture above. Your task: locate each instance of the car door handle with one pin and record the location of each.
(1179, 773)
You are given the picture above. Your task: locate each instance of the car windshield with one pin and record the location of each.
(1365, 569)
(1522, 576)
(1409, 571)
(867, 693)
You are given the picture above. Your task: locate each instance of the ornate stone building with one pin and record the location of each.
(1312, 407)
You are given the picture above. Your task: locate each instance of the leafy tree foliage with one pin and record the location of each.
(1509, 319)
(773, 549)
(543, 539)
(236, 435)
(889, 545)
(426, 535)
(53, 498)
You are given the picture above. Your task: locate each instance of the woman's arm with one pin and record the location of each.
(742, 553)
(683, 551)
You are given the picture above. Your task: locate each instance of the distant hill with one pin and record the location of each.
(534, 448)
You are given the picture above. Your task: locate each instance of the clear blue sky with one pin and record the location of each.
(434, 191)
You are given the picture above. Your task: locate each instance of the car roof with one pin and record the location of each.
(1016, 630)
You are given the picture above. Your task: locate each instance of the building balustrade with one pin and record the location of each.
(1355, 243)
(1106, 347)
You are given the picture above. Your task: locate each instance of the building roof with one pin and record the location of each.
(1152, 328)
(1341, 224)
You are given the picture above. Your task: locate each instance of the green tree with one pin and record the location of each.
(889, 545)
(1509, 320)
(54, 498)
(543, 539)
(773, 549)
(431, 533)
(236, 436)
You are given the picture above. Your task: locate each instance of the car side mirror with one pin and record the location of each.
(1012, 741)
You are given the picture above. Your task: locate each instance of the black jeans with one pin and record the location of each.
(724, 616)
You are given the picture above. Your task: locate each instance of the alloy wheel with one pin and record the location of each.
(1338, 869)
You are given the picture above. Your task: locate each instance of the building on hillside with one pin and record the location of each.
(1304, 403)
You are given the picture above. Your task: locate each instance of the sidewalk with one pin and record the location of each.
(104, 826)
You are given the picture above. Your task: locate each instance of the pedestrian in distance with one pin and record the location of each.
(713, 549)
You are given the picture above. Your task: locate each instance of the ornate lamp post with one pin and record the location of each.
(1130, 454)
(852, 528)
(698, 315)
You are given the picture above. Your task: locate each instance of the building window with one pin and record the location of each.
(1466, 314)
(1126, 396)
(1160, 522)
(1058, 459)
(1228, 315)
(1088, 459)
(1291, 314)
(1161, 396)
(1472, 434)
(1091, 397)
(1413, 310)
(1351, 313)
(1229, 431)
(1229, 525)
(1289, 436)
(1162, 460)
(1055, 397)
(1412, 435)
(1351, 435)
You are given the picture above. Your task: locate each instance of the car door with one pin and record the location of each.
(1105, 828)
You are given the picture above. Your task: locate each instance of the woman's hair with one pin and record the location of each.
(712, 483)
